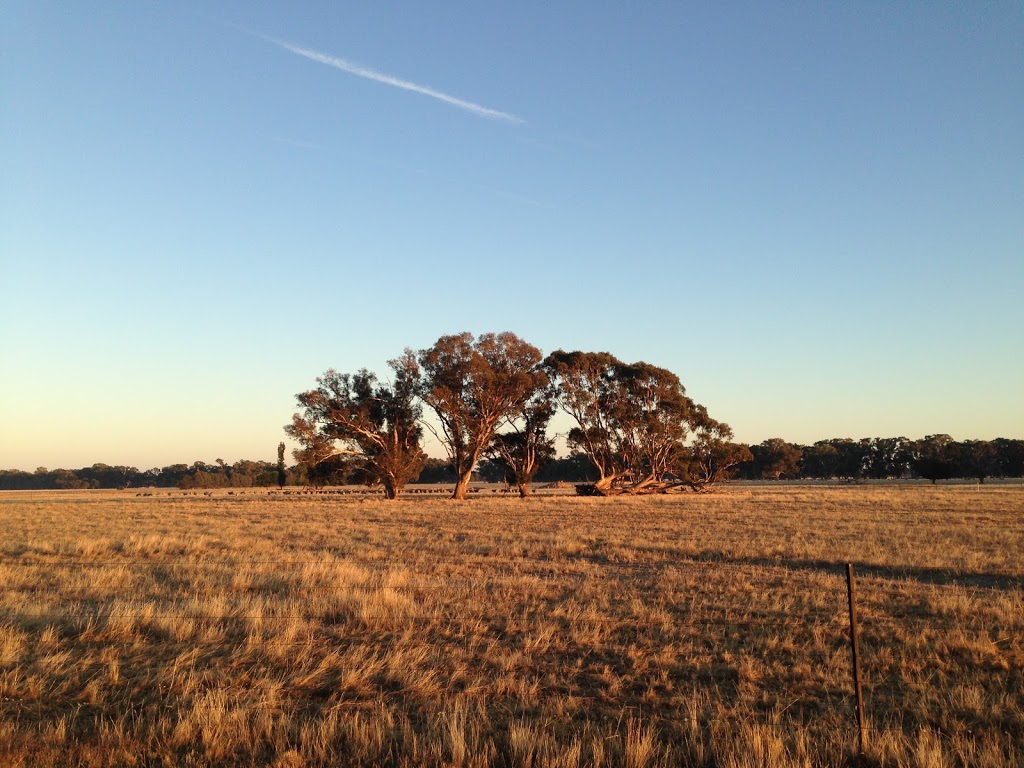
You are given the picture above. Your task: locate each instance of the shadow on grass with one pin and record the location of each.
(938, 576)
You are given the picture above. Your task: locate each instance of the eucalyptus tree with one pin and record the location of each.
(978, 459)
(587, 390)
(632, 420)
(935, 457)
(712, 457)
(376, 426)
(1009, 457)
(887, 457)
(776, 459)
(820, 460)
(524, 444)
(473, 386)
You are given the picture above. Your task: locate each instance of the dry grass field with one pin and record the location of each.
(705, 630)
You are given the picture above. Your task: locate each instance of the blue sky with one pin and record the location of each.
(812, 212)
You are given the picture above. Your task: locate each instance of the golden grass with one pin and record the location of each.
(560, 631)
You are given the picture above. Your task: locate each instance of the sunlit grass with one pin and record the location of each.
(559, 631)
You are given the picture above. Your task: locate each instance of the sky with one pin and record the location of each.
(812, 212)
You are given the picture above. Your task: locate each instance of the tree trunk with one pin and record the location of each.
(642, 484)
(462, 486)
(602, 487)
(390, 488)
(524, 490)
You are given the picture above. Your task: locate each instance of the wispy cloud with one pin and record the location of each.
(396, 82)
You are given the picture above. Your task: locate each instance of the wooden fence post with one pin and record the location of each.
(861, 740)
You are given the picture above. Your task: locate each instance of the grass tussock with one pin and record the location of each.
(704, 630)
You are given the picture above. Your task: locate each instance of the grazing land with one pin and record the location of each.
(706, 630)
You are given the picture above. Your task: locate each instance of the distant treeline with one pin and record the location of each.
(254, 474)
(936, 457)
(242, 474)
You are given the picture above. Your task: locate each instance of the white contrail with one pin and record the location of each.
(381, 77)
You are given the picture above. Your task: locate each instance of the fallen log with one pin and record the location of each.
(644, 488)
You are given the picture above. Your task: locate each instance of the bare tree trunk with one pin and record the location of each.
(390, 489)
(524, 490)
(463, 485)
(602, 487)
(640, 486)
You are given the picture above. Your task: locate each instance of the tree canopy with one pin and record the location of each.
(376, 425)
(526, 445)
(472, 386)
(493, 398)
(632, 420)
